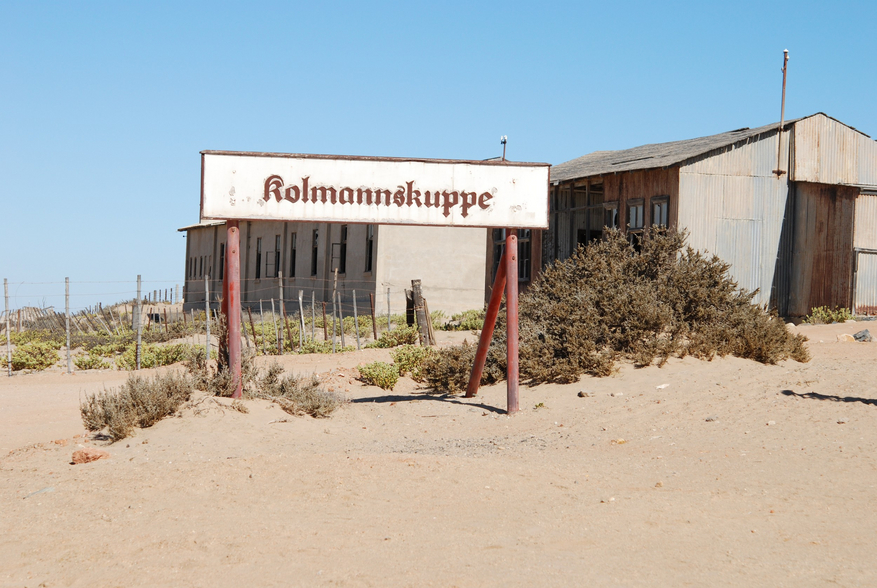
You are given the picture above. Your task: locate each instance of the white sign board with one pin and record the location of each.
(274, 186)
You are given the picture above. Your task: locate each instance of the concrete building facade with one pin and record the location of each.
(370, 259)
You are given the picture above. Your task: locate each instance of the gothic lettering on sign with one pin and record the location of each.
(404, 195)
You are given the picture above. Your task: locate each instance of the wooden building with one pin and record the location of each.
(804, 237)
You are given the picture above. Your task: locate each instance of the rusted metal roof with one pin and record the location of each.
(656, 155)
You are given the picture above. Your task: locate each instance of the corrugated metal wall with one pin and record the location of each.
(733, 205)
(829, 152)
(865, 242)
(822, 269)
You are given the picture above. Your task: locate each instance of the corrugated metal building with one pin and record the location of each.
(804, 238)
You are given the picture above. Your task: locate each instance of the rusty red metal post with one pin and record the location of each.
(487, 329)
(511, 261)
(232, 307)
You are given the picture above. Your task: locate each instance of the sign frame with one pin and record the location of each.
(537, 210)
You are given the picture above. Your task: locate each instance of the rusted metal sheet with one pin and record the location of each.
(823, 243)
(830, 152)
(866, 283)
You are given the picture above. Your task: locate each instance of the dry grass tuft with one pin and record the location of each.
(139, 402)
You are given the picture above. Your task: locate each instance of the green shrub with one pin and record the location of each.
(824, 315)
(312, 346)
(398, 336)
(139, 402)
(378, 373)
(468, 320)
(90, 362)
(153, 355)
(409, 359)
(56, 341)
(36, 355)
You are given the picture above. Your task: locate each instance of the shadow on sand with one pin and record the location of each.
(434, 397)
(818, 396)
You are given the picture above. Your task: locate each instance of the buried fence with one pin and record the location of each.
(314, 326)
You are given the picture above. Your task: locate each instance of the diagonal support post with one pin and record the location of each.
(506, 279)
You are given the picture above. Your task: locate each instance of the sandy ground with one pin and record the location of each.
(733, 474)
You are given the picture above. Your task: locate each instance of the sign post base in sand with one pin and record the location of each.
(506, 279)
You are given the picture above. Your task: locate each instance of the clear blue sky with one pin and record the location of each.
(104, 106)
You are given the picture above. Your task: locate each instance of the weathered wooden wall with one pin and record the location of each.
(644, 184)
(822, 267)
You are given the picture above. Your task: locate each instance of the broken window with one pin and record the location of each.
(524, 252)
(660, 211)
(635, 221)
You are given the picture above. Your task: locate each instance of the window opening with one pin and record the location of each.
(292, 240)
(635, 222)
(314, 252)
(221, 260)
(258, 257)
(342, 254)
(369, 247)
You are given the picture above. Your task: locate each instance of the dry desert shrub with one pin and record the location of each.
(609, 302)
(447, 369)
(295, 394)
(139, 402)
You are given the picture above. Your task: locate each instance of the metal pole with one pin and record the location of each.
(313, 317)
(334, 308)
(139, 318)
(356, 321)
(282, 312)
(341, 320)
(67, 315)
(8, 336)
(177, 294)
(371, 300)
(301, 317)
(389, 326)
(262, 328)
(274, 318)
(511, 259)
(487, 329)
(779, 170)
(233, 273)
(207, 317)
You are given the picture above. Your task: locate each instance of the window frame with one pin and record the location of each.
(369, 248)
(315, 250)
(660, 201)
(293, 238)
(258, 258)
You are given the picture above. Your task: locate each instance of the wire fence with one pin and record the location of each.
(296, 320)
